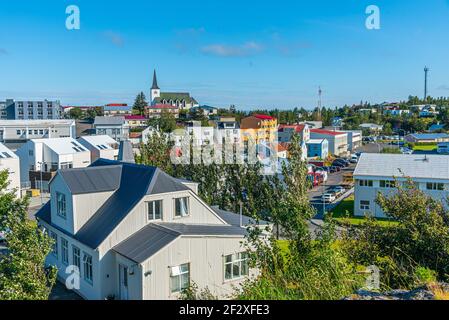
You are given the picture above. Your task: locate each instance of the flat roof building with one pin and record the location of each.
(378, 172)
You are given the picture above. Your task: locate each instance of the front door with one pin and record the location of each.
(123, 282)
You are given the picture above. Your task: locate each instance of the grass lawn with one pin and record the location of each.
(425, 148)
(344, 212)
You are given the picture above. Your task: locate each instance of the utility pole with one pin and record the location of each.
(320, 92)
(426, 71)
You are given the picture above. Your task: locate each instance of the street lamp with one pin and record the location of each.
(324, 190)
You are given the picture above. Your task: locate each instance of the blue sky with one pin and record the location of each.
(248, 53)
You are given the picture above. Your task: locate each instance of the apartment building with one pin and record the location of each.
(136, 233)
(41, 158)
(227, 130)
(260, 128)
(380, 172)
(24, 130)
(31, 110)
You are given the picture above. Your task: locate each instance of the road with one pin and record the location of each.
(334, 179)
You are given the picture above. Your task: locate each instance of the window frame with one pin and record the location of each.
(434, 186)
(187, 207)
(152, 203)
(179, 277)
(240, 259)
(88, 268)
(366, 206)
(366, 183)
(54, 250)
(59, 212)
(76, 257)
(64, 251)
(387, 184)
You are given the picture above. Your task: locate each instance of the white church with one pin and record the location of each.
(181, 100)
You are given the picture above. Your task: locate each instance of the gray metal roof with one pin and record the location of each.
(152, 238)
(398, 165)
(119, 120)
(204, 230)
(145, 243)
(234, 219)
(92, 179)
(134, 182)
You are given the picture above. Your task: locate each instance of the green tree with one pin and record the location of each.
(139, 104)
(23, 275)
(75, 113)
(419, 239)
(156, 152)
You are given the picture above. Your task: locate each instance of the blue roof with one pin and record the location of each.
(436, 127)
(117, 108)
(429, 136)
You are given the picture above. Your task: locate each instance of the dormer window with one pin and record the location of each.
(155, 210)
(182, 207)
(61, 205)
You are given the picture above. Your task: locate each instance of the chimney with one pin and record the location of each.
(125, 153)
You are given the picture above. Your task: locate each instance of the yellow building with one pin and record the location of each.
(260, 128)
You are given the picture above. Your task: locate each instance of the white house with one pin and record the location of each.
(200, 135)
(10, 161)
(41, 158)
(100, 147)
(115, 127)
(377, 173)
(24, 130)
(338, 141)
(136, 233)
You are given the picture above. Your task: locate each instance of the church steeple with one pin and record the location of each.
(155, 86)
(155, 92)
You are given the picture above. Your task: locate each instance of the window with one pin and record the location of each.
(179, 277)
(87, 260)
(435, 186)
(54, 250)
(64, 251)
(366, 183)
(76, 257)
(182, 207)
(364, 205)
(19, 132)
(61, 205)
(387, 184)
(155, 210)
(66, 165)
(236, 266)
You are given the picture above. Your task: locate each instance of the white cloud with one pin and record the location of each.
(223, 50)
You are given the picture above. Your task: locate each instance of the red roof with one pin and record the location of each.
(298, 127)
(135, 118)
(263, 117)
(327, 132)
(134, 135)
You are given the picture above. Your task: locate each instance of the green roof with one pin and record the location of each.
(176, 96)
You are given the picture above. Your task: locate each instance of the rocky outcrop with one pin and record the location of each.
(438, 291)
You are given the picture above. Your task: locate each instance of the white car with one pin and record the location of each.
(328, 198)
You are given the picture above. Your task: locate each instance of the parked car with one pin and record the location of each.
(354, 159)
(340, 163)
(336, 168)
(328, 198)
(338, 190)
